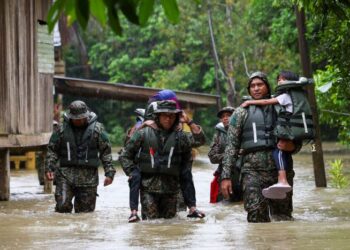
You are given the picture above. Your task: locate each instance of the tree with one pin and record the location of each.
(330, 50)
(262, 36)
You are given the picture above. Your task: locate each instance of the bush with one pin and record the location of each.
(338, 180)
(117, 135)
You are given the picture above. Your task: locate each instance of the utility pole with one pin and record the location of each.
(317, 152)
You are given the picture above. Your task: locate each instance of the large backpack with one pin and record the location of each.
(299, 124)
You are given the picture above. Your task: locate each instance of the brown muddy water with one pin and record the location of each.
(322, 218)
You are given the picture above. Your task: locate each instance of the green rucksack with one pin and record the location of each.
(299, 124)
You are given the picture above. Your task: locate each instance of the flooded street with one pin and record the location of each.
(28, 221)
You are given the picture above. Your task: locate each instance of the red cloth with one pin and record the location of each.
(214, 189)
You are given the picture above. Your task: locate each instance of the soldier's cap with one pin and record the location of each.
(167, 106)
(225, 109)
(78, 110)
(262, 76)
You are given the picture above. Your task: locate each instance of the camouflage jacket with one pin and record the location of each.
(196, 140)
(261, 160)
(80, 176)
(217, 147)
(158, 183)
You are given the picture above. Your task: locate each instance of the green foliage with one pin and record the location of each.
(108, 12)
(176, 78)
(117, 135)
(333, 101)
(325, 8)
(171, 10)
(146, 10)
(180, 57)
(337, 178)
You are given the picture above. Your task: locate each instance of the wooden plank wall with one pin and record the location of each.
(26, 101)
(3, 86)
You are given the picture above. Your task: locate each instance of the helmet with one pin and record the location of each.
(167, 106)
(140, 112)
(263, 77)
(78, 110)
(258, 74)
(225, 109)
(165, 94)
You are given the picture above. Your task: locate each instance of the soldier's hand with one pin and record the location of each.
(184, 117)
(226, 188)
(49, 175)
(108, 181)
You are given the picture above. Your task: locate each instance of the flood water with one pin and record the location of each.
(28, 220)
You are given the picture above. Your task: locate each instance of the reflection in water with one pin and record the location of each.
(28, 221)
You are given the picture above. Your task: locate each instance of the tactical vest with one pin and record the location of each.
(222, 133)
(154, 159)
(83, 155)
(258, 129)
(299, 124)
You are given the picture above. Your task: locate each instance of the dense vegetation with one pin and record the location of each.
(249, 35)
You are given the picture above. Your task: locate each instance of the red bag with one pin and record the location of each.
(214, 189)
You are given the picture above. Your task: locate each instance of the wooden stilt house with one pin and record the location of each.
(26, 76)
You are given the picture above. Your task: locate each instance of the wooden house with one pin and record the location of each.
(26, 80)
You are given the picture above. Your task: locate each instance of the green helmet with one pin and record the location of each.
(167, 106)
(78, 110)
(262, 76)
(225, 109)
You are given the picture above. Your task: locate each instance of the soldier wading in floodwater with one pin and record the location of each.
(250, 134)
(163, 156)
(79, 146)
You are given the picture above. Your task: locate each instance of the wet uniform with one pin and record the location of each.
(216, 155)
(159, 189)
(77, 172)
(258, 171)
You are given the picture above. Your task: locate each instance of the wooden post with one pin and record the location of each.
(317, 154)
(4, 174)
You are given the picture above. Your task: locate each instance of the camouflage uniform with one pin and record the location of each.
(159, 191)
(78, 181)
(196, 140)
(216, 155)
(258, 171)
(40, 158)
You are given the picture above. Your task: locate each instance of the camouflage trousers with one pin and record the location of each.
(260, 208)
(282, 209)
(237, 194)
(154, 205)
(255, 203)
(84, 197)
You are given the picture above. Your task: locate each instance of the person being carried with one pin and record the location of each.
(282, 154)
